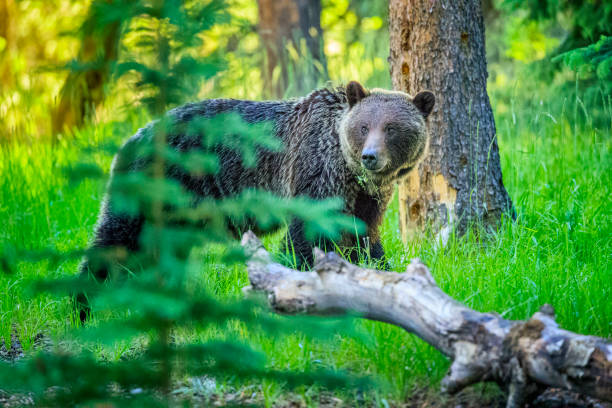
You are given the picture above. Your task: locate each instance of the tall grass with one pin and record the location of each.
(556, 165)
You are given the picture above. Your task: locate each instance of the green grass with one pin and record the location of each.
(556, 166)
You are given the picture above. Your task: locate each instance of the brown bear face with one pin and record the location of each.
(384, 135)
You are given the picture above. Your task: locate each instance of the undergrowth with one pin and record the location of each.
(556, 167)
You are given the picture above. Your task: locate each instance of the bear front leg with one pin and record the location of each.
(116, 236)
(299, 249)
(370, 251)
(377, 253)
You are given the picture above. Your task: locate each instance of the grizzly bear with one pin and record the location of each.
(344, 142)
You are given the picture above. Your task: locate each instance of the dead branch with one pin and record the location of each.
(526, 357)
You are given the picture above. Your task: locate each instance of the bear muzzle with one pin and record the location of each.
(373, 160)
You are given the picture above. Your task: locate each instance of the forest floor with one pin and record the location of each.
(202, 391)
(557, 172)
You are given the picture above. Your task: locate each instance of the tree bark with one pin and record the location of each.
(83, 90)
(525, 357)
(440, 46)
(283, 23)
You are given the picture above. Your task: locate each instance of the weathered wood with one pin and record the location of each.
(526, 357)
(440, 46)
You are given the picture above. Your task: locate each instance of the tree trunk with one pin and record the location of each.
(440, 46)
(7, 31)
(310, 28)
(524, 357)
(83, 89)
(284, 23)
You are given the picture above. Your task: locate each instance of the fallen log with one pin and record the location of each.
(524, 357)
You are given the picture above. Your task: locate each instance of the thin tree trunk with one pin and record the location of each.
(7, 31)
(525, 357)
(310, 27)
(83, 90)
(284, 23)
(440, 46)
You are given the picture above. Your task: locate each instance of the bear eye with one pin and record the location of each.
(390, 130)
(364, 130)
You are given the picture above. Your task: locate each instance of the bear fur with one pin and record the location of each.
(343, 142)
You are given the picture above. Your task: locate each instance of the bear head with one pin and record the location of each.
(383, 134)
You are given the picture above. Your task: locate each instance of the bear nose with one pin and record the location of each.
(369, 159)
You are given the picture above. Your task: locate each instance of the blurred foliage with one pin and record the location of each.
(35, 36)
(357, 41)
(527, 42)
(586, 20)
(153, 299)
(571, 31)
(595, 58)
(42, 37)
(33, 49)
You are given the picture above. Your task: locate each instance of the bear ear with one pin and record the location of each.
(354, 93)
(425, 102)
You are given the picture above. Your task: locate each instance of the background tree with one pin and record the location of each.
(7, 40)
(284, 24)
(83, 89)
(441, 46)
